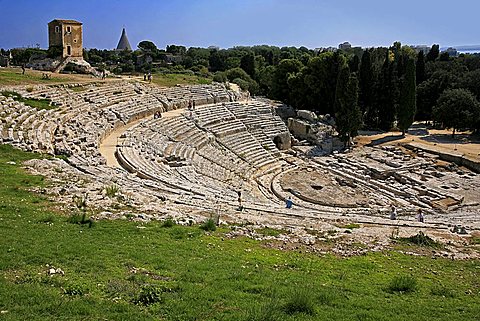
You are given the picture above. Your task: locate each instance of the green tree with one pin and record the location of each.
(347, 112)
(457, 108)
(385, 95)
(433, 54)
(407, 106)
(280, 88)
(247, 63)
(420, 67)
(366, 83)
(241, 78)
(176, 50)
(354, 63)
(430, 90)
(147, 46)
(471, 81)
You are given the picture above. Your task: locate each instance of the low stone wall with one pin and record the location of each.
(459, 159)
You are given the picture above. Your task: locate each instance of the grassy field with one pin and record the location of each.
(122, 270)
(13, 76)
(169, 80)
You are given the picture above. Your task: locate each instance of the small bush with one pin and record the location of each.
(112, 190)
(81, 218)
(403, 283)
(301, 301)
(74, 289)
(420, 239)
(80, 202)
(149, 295)
(168, 223)
(209, 225)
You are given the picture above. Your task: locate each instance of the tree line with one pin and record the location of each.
(373, 88)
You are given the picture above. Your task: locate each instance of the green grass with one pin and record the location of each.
(170, 80)
(475, 240)
(78, 89)
(124, 270)
(35, 103)
(268, 231)
(349, 226)
(13, 76)
(403, 284)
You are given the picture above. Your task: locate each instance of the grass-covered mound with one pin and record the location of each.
(53, 269)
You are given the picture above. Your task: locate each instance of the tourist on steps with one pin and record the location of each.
(289, 202)
(240, 206)
(393, 213)
(420, 216)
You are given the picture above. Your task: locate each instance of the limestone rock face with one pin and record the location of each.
(307, 115)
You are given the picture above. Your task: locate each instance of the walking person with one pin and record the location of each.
(289, 202)
(240, 206)
(393, 213)
(420, 216)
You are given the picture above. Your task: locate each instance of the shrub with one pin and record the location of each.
(420, 239)
(111, 190)
(300, 301)
(81, 218)
(80, 202)
(209, 225)
(148, 295)
(168, 223)
(74, 289)
(220, 77)
(403, 283)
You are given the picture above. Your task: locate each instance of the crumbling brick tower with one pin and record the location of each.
(65, 36)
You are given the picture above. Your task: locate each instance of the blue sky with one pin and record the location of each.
(226, 23)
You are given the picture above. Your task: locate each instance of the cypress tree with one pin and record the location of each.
(354, 63)
(420, 70)
(386, 92)
(366, 83)
(407, 101)
(347, 116)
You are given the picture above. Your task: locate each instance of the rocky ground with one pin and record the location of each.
(342, 236)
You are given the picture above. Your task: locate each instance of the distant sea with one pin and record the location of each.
(469, 51)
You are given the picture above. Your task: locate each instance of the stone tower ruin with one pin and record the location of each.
(65, 36)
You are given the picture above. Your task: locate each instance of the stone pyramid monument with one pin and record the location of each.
(124, 44)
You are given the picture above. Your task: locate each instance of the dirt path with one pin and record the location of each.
(109, 144)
